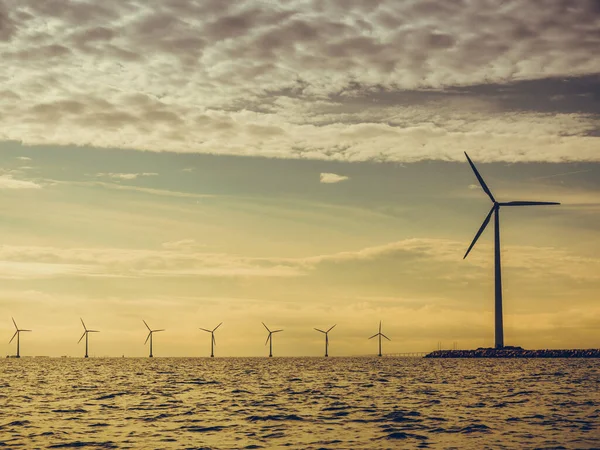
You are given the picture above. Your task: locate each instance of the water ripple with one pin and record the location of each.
(304, 403)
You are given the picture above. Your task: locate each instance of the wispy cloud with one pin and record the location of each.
(14, 270)
(563, 174)
(332, 178)
(125, 187)
(126, 176)
(182, 245)
(8, 182)
(182, 258)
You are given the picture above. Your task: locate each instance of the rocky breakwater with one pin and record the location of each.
(515, 352)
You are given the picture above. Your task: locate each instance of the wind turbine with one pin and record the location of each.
(85, 333)
(380, 334)
(270, 339)
(18, 335)
(213, 342)
(150, 336)
(499, 327)
(326, 333)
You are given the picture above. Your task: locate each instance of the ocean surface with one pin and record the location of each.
(304, 403)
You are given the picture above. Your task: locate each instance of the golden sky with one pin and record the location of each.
(297, 163)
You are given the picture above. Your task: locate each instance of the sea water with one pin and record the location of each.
(304, 403)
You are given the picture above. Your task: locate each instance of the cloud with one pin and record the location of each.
(124, 187)
(331, 178)
(183, 258)
(8, 182)
(14, 270)
(176, 260)
(182, 245)
(398, 81)
(126, 176)
(24, 158)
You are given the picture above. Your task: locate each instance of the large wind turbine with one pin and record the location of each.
(326, 333)
(85, 334)
(270, 339)
(499, 333)
(18, 335)
(213, 342)
(151, 332)
(380, 334)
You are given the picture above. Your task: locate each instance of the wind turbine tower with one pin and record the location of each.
(326, 333)
(151, 332)
(213, 342)
(380, 334)
(18, 336)
(499, 327)
(85, 334)
(270, 339)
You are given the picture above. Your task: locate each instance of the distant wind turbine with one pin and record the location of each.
(270, 339)
(380, 334)
(326, 333)
(499, 327)
(151, 332)
(85, 334)
(18, 335)
(213, 342)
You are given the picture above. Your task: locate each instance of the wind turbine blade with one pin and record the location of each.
(266, 327)
(331, 328)
(146, 325)
(16, 327)
(386, 337)
(320, 331)
(11, 339)
(148, 337)
(83, 324)
(25, 330)
(82, 336)
(528, 203)
(217, 327)
(380, 327)
(268, 337)
(481, 182)
(214, 340)
(204, 329)
(156, 331)
(276, 331)
(93, 331)
(375, 335)
(483, 225)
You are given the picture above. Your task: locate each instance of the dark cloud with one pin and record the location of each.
(75, 12)
(7, 25)
(579, 95)
(58, 109)
(42, 53)
(94, 34)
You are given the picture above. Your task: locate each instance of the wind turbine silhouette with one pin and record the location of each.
(499, 327)
(85, 334)
(18, 335)
(151, 332)
(270, 339)
(380, 334)
(213, 342)
(326, 333)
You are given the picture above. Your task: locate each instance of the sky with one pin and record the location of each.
(299, 163)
